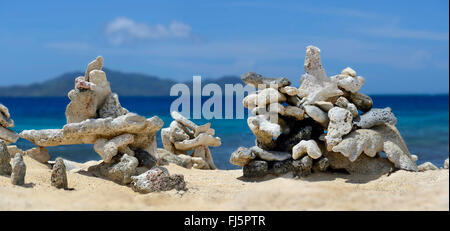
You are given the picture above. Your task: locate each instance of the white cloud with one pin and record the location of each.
(123, 29)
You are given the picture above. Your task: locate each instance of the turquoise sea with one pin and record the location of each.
(423, 121)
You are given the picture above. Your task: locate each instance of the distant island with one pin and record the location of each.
(124, 84)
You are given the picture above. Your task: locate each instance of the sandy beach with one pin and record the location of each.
(227, 190)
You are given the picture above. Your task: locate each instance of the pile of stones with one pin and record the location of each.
(184, 136)
(124, 140)
(325, 124)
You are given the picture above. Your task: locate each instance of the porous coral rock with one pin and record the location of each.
(362, 140)
(8, 135)
(59, 175)
(306, 147)
(18, 170)
(340, 125)
(89, 131)
(157, 179)
(263, 129)
(107, 149)
(376, 116)
(111, 107)
(259, 81)
(395, 148)
(120, 171)
(242, 156)
(184, 135)
(446, 164)
(315, 85)
(348, 83)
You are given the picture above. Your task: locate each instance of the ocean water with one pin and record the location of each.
(423, 122)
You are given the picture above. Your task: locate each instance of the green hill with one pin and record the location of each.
(124, 84)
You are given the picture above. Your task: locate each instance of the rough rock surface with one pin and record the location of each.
(446, 164)
(257, 81)
(182, 160)
(5, 159)
(269, 155)
(242, 156)
(348, 83)
(361, 101)
(362, 140)
(18, 170)
(89, 131)
(59, 175)
(395, 148)
(308, 147)
(95, 116)
(256, 168)
(157, 179)
(319, 124)
(5, 120)
(362, 165)
(120, 171)
(112, 107)
(8, 135)
(183, 136)
(107, 149)
(263, 129)
(376, 116)
(340, 125)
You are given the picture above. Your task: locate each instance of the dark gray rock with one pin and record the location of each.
(18, 170)
(286, 142)
(256, 168)
(323, 164)
(374, 117)
(282, 167)
(254, 79)
(5, 159)
(59, 175)
(145, 159)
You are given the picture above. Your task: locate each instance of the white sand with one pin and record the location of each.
(224, 190)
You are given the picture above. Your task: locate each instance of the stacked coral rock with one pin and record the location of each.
(184, 136)
(325, 124)
(125, 141)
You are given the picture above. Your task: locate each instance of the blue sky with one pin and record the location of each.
(398, 46)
